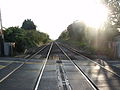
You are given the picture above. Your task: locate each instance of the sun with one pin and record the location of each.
(93, 13)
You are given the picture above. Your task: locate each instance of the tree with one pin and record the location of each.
(76, 31)
(25, 38)
(17, 35)
(114, 13)
(64, 35)
(28, 25)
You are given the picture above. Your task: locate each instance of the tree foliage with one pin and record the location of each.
(75, 31)
(28, 25)
(98, 39)
(112, 26)
(64, 35)
(114, 12)
(25, 38)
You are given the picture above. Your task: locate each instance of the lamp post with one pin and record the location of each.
(1, 37)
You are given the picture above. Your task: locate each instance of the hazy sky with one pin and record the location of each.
(50, 16)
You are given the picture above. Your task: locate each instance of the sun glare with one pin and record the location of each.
(94, 13)
(53, 15)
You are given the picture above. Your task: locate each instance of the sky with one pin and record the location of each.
(51, 16)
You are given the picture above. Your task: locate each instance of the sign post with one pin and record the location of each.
(1, 37)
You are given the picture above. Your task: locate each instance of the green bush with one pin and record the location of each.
(25, 38)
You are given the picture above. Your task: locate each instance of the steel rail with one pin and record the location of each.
(31, 56)
(21, 65)
(77, 52)
(42, 70)
(93, 85)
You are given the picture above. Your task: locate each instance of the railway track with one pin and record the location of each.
(53, 75)
(16, 66)
(42, 69)
(91, 83)
(103, 76)
(59, 68)
(99, 62)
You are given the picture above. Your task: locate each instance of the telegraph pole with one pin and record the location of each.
(1, 37)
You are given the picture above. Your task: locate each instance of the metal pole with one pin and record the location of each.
(1, 37)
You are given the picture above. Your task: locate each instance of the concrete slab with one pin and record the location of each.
(22, 79)
(49, 79)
